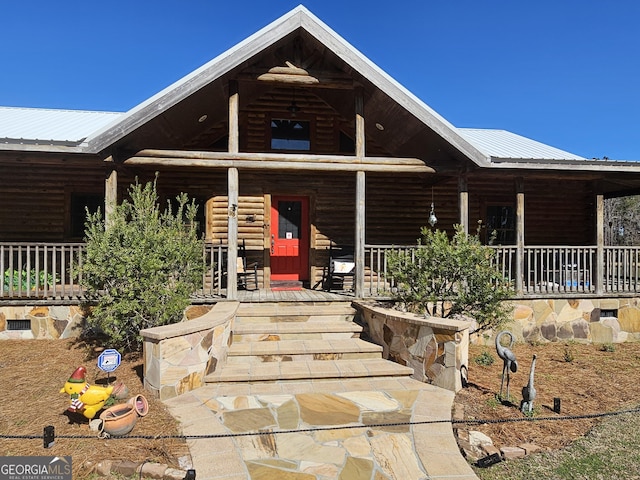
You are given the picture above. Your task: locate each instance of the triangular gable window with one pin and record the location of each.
(290, 135)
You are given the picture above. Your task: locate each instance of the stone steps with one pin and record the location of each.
(311, 330)
(307, 370)
(301, 341)
(303, 350)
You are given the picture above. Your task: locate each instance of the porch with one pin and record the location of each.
(50, 273)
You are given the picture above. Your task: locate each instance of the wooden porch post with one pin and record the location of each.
(360, 196)
(232, 195)
(600, 244)
(463, 194)
(110, 193)
(519, 236)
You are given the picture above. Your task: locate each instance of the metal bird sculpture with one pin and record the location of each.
(529, 392)
(508, 358)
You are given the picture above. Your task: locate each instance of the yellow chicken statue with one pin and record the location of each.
(86, 399)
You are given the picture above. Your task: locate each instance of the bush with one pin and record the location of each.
(23, 279)
(143, 267)
(447, 277)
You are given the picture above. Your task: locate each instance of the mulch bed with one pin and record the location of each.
(32, 372)
(587, 379)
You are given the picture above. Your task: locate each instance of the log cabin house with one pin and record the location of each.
(294, 143)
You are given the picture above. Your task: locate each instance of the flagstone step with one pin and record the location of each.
(312, 330)
(294, 312)
(303, 350)
(308, 370)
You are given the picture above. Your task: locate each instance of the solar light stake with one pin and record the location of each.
(49, 436)
(556, 405)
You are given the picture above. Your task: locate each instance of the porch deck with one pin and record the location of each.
(266, 295)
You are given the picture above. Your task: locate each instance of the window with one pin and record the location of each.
(290, 135)
(80, 202)
(501, 225)
(289, 219)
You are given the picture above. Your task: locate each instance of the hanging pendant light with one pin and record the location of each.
(432, 214)
(293, 108)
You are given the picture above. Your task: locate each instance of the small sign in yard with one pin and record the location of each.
(109, 360)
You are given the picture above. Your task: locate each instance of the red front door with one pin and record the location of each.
(289, 238)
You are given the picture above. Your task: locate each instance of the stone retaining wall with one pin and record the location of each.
(177, 357)
(44, 322)
(436, 348)
(581, 320)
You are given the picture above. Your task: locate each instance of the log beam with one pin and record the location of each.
(276, 161)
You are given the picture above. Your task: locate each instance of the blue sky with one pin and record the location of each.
(563, 72)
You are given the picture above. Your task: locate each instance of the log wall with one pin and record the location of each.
(35, 193)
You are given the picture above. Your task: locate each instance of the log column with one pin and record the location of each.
(232, 195)
(360, 196)
(600, 244)
(519, 235)
(110, 192)
(463, 200)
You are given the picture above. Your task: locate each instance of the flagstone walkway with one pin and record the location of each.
(354, 429)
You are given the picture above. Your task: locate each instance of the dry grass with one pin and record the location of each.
(587, 378)
(31, 375)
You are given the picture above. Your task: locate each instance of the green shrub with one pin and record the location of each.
(608, 347)
(23, 279)
(143, 267)
(485, 359)
(447, 277)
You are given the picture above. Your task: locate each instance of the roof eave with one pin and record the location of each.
(43, 148)
(564, 164)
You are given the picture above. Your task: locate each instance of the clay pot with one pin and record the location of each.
(119, 419)
(139, 404)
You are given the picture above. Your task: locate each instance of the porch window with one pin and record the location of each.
(501, 225)
(290, 135)
(80, 203)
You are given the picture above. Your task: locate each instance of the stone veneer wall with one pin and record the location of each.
(563, 320)
(47, 322)
(436, 348)
(177, 357)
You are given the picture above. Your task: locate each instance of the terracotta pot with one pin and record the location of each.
(119, 419)
(139, 404)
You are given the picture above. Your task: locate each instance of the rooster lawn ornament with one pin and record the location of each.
(86, 399)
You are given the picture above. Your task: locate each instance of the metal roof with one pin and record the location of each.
(40, 126)
(504, 144)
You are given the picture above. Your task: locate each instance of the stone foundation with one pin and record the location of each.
(601, 320)
(177, 357)
(436, 348)
(44, 322)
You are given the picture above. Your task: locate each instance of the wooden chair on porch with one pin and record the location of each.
(342, 268)
(246, 272)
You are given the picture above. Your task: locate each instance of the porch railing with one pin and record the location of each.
(50, 270)
(547, 270)
(40, 270)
